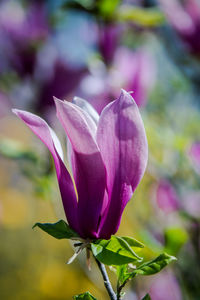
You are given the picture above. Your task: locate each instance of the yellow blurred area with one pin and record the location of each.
(14, 203)
(11, 127)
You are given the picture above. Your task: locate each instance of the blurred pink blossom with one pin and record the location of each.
(165, 287)
(191, 203)
(166, 197)
(185, 18)
(21, 24)
(194, 154)
(135, 71)
(20, 29)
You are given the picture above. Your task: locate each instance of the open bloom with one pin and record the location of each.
(108, 160)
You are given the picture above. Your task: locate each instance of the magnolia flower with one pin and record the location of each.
(108, 160)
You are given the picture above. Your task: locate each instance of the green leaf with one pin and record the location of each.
(154, 266)
(122, 274)
(146, 297)
(85, 296)
(115, 251)
(175, 238)
(142, 16)
(59, 230)
(133, 242)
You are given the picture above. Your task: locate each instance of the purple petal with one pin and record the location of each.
(46, 135)
(87, 164)
(86, 106)
(122, 141)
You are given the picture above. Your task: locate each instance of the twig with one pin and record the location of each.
(119, 289)
(107, 283)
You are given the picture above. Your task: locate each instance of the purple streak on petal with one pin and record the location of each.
(87, 164)
(122, 141)
(44, 133)
(166, 196)
(86, 106)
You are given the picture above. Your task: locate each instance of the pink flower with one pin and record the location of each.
(108, 160)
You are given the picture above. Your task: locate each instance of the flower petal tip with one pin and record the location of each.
(20, 113)
(15, 111)
(59, 104)
(126, 96)
(56, 100)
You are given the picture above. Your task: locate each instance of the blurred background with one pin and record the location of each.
(92, 49)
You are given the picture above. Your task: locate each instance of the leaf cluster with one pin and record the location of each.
(118, 252)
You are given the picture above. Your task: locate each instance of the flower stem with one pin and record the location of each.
(107, 283)
(119, 289)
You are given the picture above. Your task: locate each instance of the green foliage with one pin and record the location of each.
(122, 274)
(59, 230)
(116, 251)
(85, 296)
(175, 238)
(149, 268)
(154, 266)
(141, 16)
(133, 242)
(146, 297)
